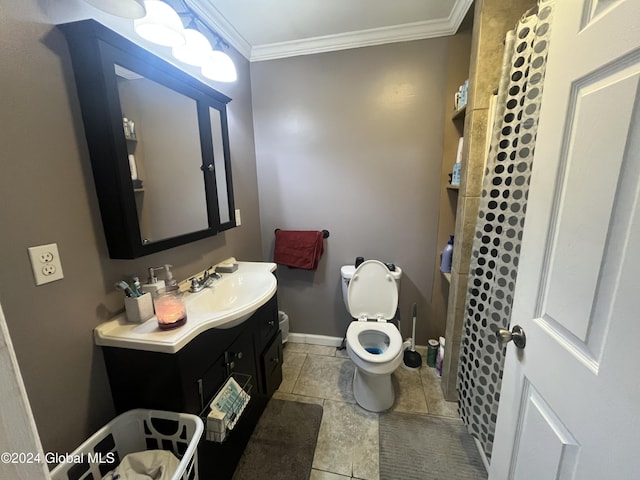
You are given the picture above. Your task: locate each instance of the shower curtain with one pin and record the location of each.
(498, 233)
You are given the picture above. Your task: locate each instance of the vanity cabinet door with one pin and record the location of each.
(267, 331)
(209, 383)
(266, 321)
(141, 379)
(271, 366)
(202, 366)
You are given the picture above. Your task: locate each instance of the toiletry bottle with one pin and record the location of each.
(133, 167)
(447, 256)
(440, 356)
(456, 173)
(153, 283)
(169, 282)
(432, 352)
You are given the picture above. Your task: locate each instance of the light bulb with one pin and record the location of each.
(161, 25)
(220, 67)
(196, 51)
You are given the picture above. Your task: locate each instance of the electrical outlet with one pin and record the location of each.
(238, 220)
(46, 257)
(48, 270)
(46, 264)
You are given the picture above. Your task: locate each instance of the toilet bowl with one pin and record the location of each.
(373, 344)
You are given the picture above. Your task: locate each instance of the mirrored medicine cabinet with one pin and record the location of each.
(158, 140)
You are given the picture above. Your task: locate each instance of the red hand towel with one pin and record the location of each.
(298, 248)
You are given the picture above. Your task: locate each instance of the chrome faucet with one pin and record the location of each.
(206, 280)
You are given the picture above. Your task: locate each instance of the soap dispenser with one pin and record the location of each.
(170, 282)
(153, 283)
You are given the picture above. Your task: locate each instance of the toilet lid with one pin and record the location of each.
(372, 292)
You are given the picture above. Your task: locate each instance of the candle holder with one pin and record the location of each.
(170, 308)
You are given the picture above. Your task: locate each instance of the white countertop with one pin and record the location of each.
(117, 332)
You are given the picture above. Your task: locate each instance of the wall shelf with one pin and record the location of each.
(459, 114)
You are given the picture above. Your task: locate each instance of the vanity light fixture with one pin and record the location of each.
(161, 25)
(215, 64)
(121, 8)
(196, 51)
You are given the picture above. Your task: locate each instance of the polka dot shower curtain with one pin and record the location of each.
(501, 217)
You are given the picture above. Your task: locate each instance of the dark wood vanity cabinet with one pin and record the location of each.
(188, 380)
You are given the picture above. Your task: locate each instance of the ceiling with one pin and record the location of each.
(268, 29)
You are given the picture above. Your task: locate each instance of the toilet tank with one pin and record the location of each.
(347, 271)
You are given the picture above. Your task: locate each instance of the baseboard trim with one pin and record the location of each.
(314, 339)
(328, 341)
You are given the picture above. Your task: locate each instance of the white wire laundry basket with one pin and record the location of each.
(136, 431)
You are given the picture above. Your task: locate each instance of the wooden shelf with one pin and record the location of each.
(447, 277)
(453, 187)
(459, 114)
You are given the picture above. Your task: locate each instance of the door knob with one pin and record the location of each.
(516, 334)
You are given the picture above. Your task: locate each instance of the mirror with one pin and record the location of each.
(164, 157)
(158, 140)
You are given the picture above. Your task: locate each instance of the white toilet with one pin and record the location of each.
(374, 345)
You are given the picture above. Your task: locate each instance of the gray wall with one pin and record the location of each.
(351, 141)
(47, 195)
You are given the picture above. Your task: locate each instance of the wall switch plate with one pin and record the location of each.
(238, 220)
(46, 264)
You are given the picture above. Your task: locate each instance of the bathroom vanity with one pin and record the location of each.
(182, 370)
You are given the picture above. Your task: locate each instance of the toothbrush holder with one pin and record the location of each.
(139, 309)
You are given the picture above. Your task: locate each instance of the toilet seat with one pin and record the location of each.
(384, 329)
(372, 292)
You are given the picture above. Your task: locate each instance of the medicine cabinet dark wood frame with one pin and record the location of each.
(95, 49)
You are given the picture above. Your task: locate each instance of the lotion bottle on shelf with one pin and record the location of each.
(447, 256)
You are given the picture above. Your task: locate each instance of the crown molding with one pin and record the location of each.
(344, 41)
(458, 12)
(328, 43)
(210, 15)
(365, 38)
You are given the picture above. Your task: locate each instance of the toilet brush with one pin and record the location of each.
(412, 359)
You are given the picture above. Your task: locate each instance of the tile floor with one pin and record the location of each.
(347, 446)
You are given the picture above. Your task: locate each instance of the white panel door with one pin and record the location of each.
(570, 400)
(21, 455)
